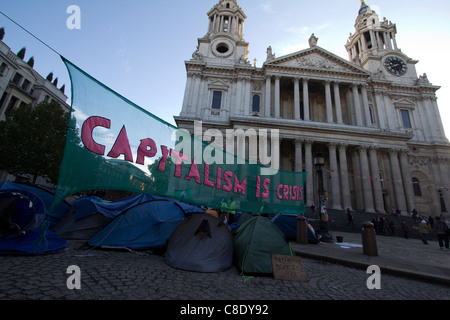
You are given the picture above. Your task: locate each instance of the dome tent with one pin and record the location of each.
(24, 225)
(201, 243)
(20, 211)
(254, 243)
(147, 225)
(46, 195)
(89, 215)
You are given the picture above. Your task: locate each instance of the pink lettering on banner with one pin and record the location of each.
(219, 178)
(266, 184)
(86, 134)
(193, 173)
(144, 151)
(280, 186)
(206, 181)
(121, 146)
(288, 192)
(227, 175)
(239, 187)
(258, 188)
(162, 162)
(179, 157)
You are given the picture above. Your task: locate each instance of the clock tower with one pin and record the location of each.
(224, 42)
(374, 47)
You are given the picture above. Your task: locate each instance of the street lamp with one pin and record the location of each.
(442, 202)
(319, 162)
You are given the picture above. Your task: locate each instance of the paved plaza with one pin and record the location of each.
(126, 275)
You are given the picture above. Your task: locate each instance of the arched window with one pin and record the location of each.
(416, 187)
(256, 103)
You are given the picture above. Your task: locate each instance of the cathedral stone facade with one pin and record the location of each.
(375, 121)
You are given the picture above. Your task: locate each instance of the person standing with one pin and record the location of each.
(349, 217)
(405, 229)
(442, 230)
(423, 231)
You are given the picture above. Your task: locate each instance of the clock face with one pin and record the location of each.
(396, 65)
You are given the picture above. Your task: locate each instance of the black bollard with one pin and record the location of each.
(302, 232)
(369, 239)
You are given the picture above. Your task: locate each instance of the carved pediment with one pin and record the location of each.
(218, 84)
(404, 103)
(316, 58)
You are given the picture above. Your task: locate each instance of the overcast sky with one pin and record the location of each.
(138, 47)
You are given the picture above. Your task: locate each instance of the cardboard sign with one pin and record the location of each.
(288, 268)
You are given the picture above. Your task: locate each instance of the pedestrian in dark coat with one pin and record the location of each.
(405, 229)
(442, 230)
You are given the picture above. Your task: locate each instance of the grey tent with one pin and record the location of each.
(81, 229)
(201, 243)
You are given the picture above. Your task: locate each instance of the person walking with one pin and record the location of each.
(442, 230)
(405, 229)
(349, 217)
(423, 231)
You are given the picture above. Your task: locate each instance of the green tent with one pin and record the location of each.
(254, 243)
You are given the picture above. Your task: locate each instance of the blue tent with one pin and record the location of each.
(46, 196)
(147, 225)
(20, 211)
(89, 215)
(87, 206)
(23, 227)
(35, 242)
(288, 225)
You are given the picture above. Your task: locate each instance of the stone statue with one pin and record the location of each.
(313, 41)
(270, 55)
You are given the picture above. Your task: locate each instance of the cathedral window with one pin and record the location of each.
(17, 78)
(256, 103)
(222, 48)
(416, 187)
(2, 68)
(217, 100)
(406, 119)
(368, 40)
(372, 115)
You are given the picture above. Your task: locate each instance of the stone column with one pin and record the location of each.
(366, 184)
(310, 170)
(444, 169)
(357, 105)
(247, 96)
(397, 181)
(346, 198)
(296, 99)
(328, 102)
(366, 105)
(196, 90)
(306, 116)
(277, 97)
(390, 113)
(337, 103)
(298, 155)
(406, 174)
(267, 95)
(376, 183)
(335, 190)
(439, 123)
(239, 102)
(187, 94)
(380, 109)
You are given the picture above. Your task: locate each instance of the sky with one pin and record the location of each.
(138, 48)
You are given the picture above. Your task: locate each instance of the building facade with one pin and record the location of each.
(20, 84)
(373, 118)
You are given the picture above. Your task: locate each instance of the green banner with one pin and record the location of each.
(113, 144)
